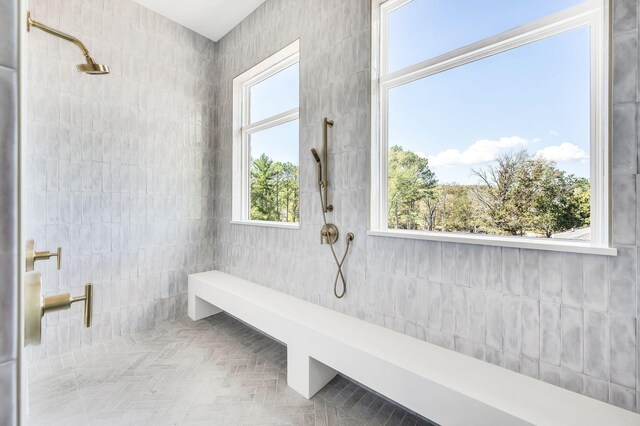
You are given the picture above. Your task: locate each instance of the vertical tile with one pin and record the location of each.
(530, 273)
(463, 265)
(531, 328)
(623, 281)
(596, 344)
(494, 320)
(625, 67)
(461, 306)
(623, 351)
(477, 316)
(494, 268)
(625, 138)
(596, 283)
(478, 266)
(435, 261)
(511, 324)
(572, 338)
(449, 254)
(550, 340)
(435, 305)
(624, 15)
(511, 271)
(572, 279)
(551, 276)
(623, 223)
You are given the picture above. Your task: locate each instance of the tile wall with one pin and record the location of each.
(567, 319)
(118, 167)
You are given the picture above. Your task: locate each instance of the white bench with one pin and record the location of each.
(441, 385)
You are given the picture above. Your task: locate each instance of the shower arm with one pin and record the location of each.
(64, 36)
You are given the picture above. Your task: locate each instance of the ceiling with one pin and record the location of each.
(210, 18)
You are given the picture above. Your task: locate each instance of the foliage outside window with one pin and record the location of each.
(266, 188)
(491, 122)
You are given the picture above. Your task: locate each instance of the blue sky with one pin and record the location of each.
(535, 97)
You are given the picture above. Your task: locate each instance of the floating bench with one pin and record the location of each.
(441, 385)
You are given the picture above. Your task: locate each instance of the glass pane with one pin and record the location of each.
(276, 94)
(423, 29)
(274, 180)
(498, 146)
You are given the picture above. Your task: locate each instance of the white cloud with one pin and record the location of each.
(563, 153)
(480, 152)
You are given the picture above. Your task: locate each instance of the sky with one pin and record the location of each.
(535, 97)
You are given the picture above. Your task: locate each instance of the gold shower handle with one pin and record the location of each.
(32, 256)
(39, 255)
(64, 301)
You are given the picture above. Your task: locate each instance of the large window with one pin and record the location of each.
(490, 122)
(266, 188)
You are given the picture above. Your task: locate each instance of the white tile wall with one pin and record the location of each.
(568, 319)
(119, 167)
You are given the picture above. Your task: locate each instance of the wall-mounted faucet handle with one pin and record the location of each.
(61, 302)
(40, 255)
(32, 256)
(35, 306)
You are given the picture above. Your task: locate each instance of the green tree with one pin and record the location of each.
(409, 180)
(275, 190)
(263, 189)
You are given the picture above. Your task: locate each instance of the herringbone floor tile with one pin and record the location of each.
(217, 371)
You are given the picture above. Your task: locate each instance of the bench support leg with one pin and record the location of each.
(306, 375)
(199, 308)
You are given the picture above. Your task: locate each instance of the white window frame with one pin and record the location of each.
(242, 130)
(595, 14)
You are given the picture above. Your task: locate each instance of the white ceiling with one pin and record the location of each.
(211, 18)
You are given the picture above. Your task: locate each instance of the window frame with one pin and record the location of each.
(593, 13)
(243, 129)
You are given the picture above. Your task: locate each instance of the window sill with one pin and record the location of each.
(266, 224)
(487, 240)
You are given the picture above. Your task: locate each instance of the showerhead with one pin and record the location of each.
(92, 68)
(315, 155)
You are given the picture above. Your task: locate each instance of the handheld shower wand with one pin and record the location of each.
(329, 231)
(319, 161)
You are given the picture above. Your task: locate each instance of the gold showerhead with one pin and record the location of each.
(90, 67)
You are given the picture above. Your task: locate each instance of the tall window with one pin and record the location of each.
(266, 99)
(491, 121)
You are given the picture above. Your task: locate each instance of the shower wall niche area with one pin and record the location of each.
(117, 167)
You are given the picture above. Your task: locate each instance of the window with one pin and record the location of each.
(490, 122)
(266, 178)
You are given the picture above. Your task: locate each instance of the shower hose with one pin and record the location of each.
(339, 263)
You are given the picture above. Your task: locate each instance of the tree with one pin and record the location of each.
(263, 189)
(504, 194)
(409, 180)
(275, 190)
(522, 193)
